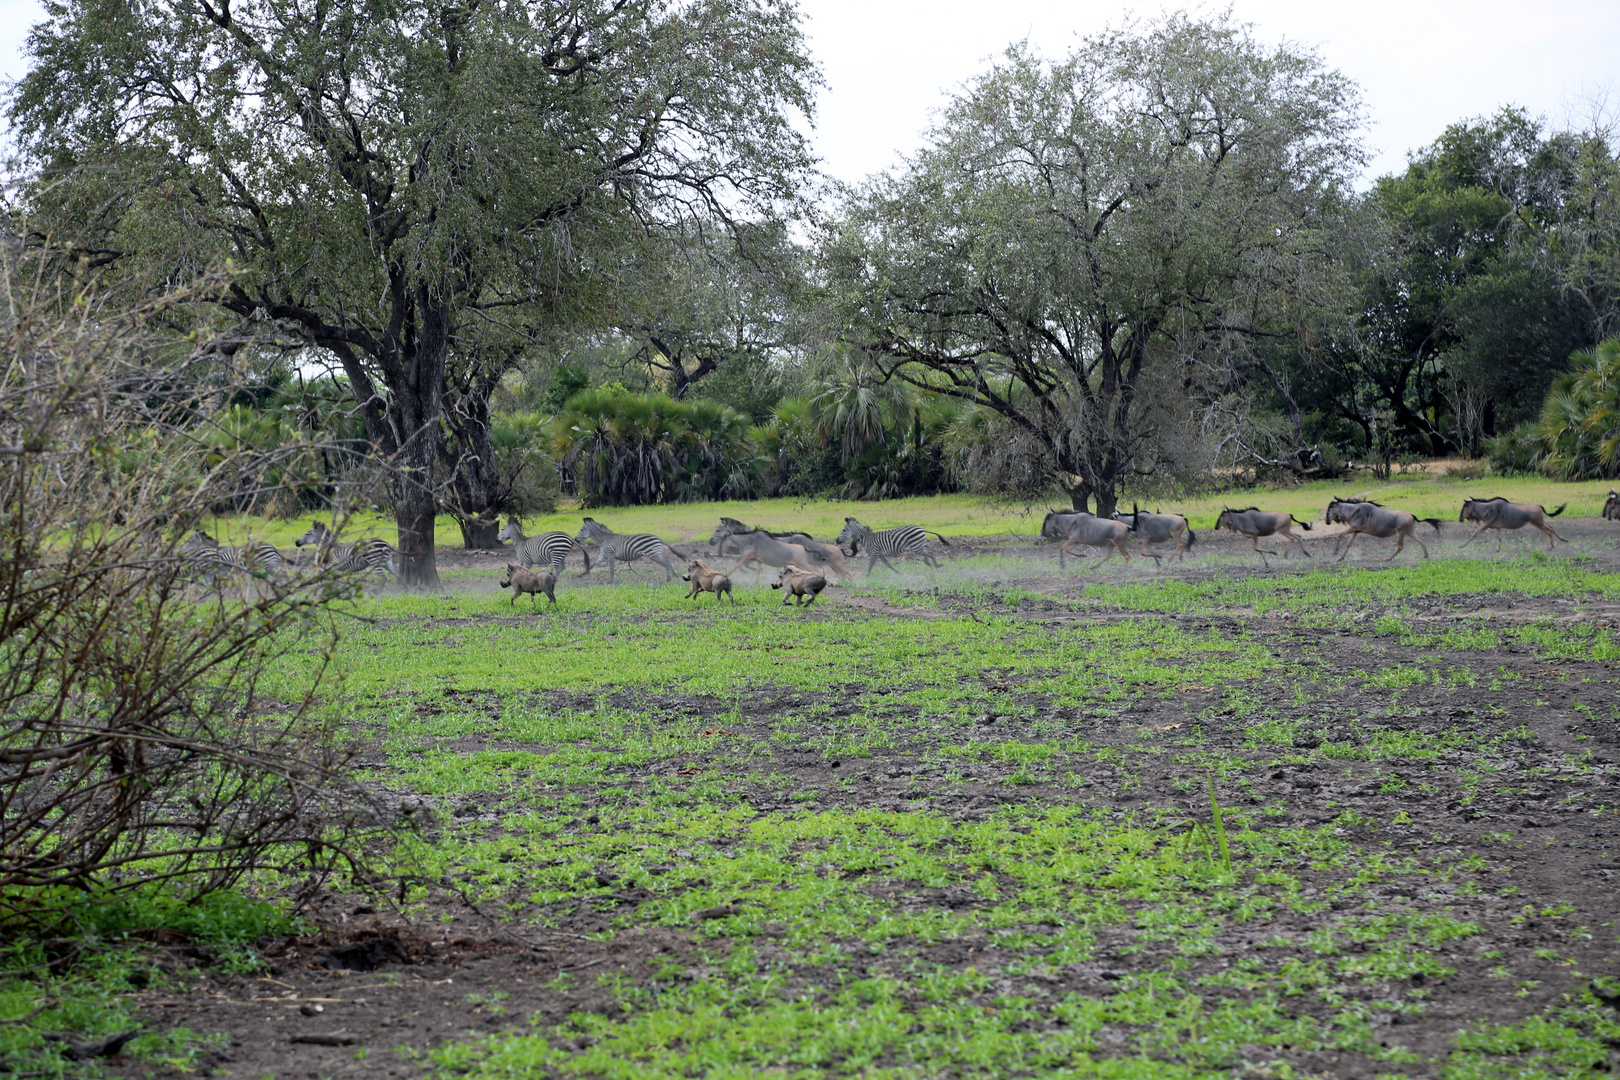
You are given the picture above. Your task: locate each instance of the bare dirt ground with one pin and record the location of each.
(374, 982)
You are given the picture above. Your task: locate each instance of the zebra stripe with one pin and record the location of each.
(900, 540)
(353, 556)
(551, 547)
(627, 547)
(211, 559)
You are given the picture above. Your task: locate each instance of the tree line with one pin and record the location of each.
(493, 251)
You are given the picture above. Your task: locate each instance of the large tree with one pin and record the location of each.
(401, 183)
(1084, 241)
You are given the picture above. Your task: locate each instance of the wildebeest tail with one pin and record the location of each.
(942, 540)
(1192, 537)
(1560, 510)
(1432, 521)
(1296, 521)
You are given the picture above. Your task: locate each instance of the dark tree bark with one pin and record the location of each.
(476, 495)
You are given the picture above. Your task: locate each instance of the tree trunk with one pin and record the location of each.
(1107, 500)
(418, 390)
(468, 453)
(1080, 497)
(480, 533)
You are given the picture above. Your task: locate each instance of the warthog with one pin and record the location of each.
(1366, 516)
(1081, 529)
(1611, 508)
(1498, 513)
(797, 583)
(1255, 523)
(522, 580)
(706, 579)
(1159, 529)
(822, 554)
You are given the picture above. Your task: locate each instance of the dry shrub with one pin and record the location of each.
(138, 739)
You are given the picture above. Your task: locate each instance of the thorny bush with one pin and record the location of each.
(137, 741)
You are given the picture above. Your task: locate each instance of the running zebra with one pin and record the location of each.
(257, 557)
(358, 556)
(626, 548)
(880, 545)
(551, 547)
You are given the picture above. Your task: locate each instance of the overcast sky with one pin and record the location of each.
(1422, 63)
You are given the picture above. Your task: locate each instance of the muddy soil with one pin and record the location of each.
(372, 988)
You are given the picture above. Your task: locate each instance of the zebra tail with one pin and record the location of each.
(942, 540)
(672, 550)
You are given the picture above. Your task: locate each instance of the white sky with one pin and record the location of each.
(1422, 63)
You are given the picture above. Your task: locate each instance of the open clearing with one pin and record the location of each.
(959, 823)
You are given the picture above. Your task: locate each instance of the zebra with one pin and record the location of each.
(551, 547)
(880, 545)
(627, 547)
(256, 557)
(354, 555)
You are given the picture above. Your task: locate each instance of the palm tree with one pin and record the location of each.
(854, 407)
(1579, 428)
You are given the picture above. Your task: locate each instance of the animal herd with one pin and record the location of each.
(804, 564)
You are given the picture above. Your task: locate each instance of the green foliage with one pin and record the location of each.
(1578, 434)
(626, 449)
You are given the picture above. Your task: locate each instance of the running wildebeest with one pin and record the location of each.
(1255, 523)
(1159, 529)
(765, 548)
(1083, 529)
(833, 553)
(1498, 513)
(1366, 516)
(1611, 508)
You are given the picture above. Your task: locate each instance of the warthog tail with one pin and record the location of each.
(1432, 521)
(1560, 510)
(942, 540)
(1296, 521)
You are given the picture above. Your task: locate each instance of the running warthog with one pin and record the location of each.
(1366, 516)
(1159, 529)
(1081, 529)
(798, 584)
(523, 580)
(1498, 513)
(1255, 523)
(706, 579)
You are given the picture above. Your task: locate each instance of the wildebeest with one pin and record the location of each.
(1611, 508)
(771, 549)
(1366, 516)
(1080, 528)
(1498, 513)
(797, 583)
(523, 580)
(1255, 523)
(704, 578)
(834, 555)
(1159, 529)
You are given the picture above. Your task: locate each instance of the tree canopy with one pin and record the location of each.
(1085, 239)
(398, 183)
